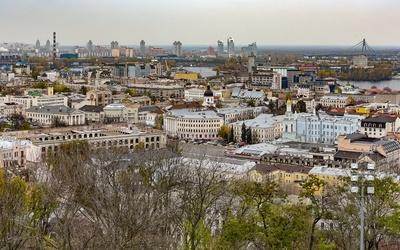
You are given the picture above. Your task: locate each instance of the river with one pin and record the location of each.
(393, 84)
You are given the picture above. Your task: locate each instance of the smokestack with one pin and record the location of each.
(54, 47)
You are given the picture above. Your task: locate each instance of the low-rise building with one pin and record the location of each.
(186, 124)
(15, 153)
(335, 101)
(55, 115)
(174, 91)
(377, 126)
(265, 127)
(352, 147)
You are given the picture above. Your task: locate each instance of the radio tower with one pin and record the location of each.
(54, 47)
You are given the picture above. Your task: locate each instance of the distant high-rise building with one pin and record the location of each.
(231, 47)
(251, 48)
(142, 48)
(114, 45)
(210, 51)
(90, 46)
(37, 46)
(177, 50)
(47, 46)
(251, 63)
(220, 48)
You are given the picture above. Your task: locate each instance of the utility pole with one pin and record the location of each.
(359, 172)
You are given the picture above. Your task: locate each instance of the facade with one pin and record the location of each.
(220, 47)
(264, 128)
(115, 112)
(93, 113)
(287, 176)
(322, 128)
(99, 137)
(177, 48)
(142, 49)
(186, 124)
(28, 101)
(293, 76)
(314, 88)
(51, 115)
(90, 46)
(13, 152)
(190, 76)
(99, 97)
(360, 61)
(267, 78)
(10, 108)
(159, 90)
(231, 115)
(354, 147)
(335, 101)
(377, 126)
(230, 47)
(250, 49)
(208, 97)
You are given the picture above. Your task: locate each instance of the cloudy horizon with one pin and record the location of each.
(161, 22)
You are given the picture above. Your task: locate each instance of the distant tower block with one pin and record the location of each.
(54, 47)
(251, 63)
(142, 48)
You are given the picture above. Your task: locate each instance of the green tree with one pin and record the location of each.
(224, 132)
(39, 85)
(313, 191)
(159, 122)
(231, 135)
(301, 106)
(83, 90)
(251, 103)
(25, 126)
(249, 137)
(139, 146)
(35, 75)
(130, 92)
(244, 130)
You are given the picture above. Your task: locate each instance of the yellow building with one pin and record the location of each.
(362, 110)
(287, 176)
(185, 76)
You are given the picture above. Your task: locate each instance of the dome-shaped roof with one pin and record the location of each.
(208, 92)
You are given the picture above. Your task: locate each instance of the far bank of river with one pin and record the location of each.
(393, 84)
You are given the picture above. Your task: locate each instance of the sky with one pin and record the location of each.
(201, 22)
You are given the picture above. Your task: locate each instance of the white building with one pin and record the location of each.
(50, 115)
(198, 94)
(322, 128)
(231, 115)
(377, 126)
(265, 127)
(177, 48)
(334, 101)
(28, 101)
(187, 124)
(267, 78)
(231, 47)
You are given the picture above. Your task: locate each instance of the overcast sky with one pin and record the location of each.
(202, 22)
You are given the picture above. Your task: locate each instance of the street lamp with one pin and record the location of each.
(365, 172)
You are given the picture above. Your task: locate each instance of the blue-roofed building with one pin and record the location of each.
(246, 94)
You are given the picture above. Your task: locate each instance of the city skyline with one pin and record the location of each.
(286, 22)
